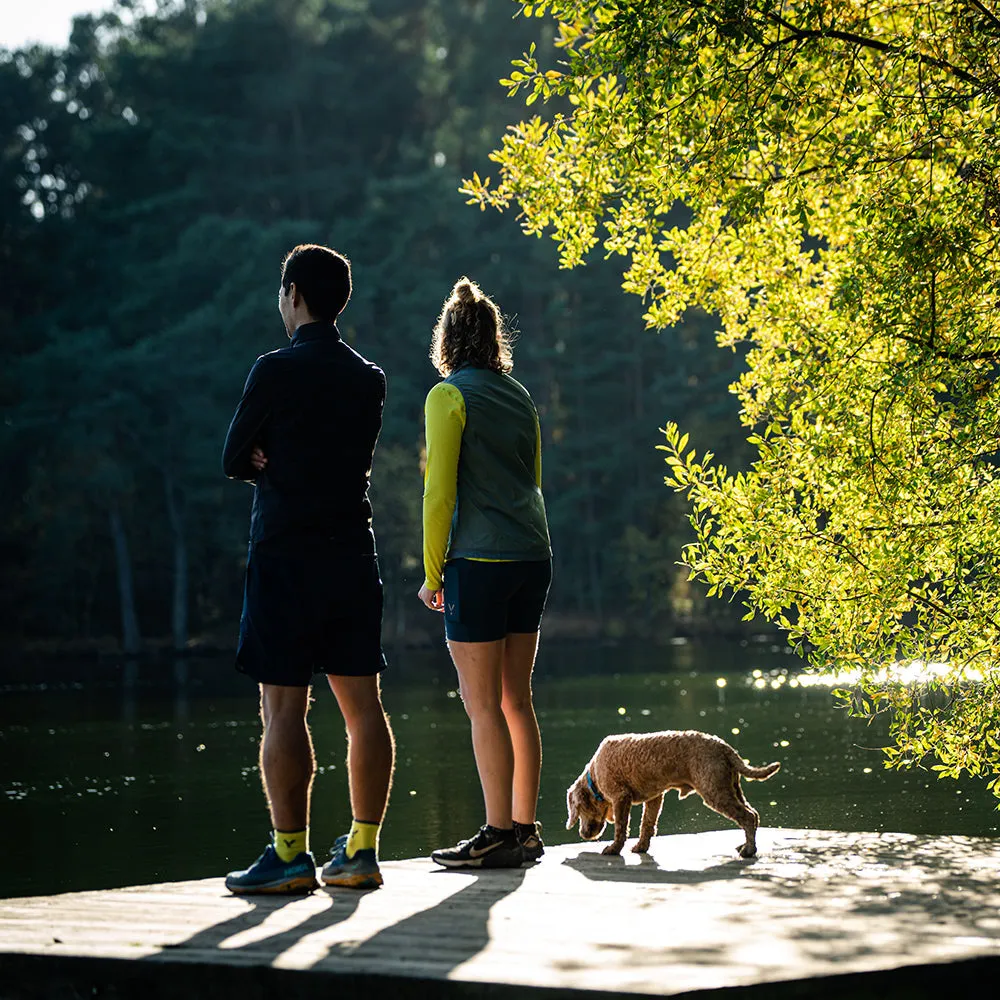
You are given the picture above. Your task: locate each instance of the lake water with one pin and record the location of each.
(121, 774)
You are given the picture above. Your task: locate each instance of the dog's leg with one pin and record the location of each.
(647, 830)
(732, 804)
(623, 813)
(750, 821)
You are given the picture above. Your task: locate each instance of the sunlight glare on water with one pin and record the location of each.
(915, 672)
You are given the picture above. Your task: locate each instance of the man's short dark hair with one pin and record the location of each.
(322, 277)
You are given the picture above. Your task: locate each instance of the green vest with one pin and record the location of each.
(499, 513)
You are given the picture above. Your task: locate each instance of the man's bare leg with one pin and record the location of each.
(370, 747)
(287, 765)
(287, 762)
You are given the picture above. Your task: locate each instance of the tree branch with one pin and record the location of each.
(985, 11)
(872, 43)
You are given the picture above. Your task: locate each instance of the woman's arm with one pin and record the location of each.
(538, 451)
(444, 421)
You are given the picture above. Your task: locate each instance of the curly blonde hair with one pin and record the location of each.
(470, 331)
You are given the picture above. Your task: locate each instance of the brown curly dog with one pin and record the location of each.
(640, 767)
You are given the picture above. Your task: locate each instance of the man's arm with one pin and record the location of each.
(246, 426)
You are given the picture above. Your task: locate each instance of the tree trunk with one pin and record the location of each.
(131, 639)
(590, 519)
(179, 609)
(400, 613)
(299, 140)
(593, 566)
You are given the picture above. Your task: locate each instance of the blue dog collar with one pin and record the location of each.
(593, 788)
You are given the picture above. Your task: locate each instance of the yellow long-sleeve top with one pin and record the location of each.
(444, 422)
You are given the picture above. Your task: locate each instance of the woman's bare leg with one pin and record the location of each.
(480, 672)
(518, 710)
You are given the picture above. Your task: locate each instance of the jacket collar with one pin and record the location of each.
(320, 330)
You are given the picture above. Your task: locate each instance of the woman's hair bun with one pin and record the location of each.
(465, 291)
(470, 331)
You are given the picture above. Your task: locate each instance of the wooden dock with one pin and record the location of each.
(817, 914)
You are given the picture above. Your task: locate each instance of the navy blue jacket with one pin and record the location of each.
(315, 409)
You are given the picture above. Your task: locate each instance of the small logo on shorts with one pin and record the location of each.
(451, 608)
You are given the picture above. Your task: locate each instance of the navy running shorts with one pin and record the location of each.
(484, 601)
(310, 610)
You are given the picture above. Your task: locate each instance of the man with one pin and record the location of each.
(304, 434)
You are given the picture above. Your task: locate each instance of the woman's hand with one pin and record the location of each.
(434, 599)
(258, 459)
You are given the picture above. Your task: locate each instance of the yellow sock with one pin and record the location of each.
(290, 843)
(363, 836)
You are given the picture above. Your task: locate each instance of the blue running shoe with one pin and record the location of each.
(270, 874)
(359, 872)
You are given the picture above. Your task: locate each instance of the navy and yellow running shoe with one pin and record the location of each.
(270, 874)
(359, 872)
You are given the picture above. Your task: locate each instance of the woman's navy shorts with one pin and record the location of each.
(310, 610)
(484, 601)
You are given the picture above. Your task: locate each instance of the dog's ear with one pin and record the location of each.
(574, 813)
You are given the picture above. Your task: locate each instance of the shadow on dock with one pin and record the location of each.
(261, 908)
(458, 924)
(614, 868)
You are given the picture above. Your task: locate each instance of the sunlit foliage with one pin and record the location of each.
(839, 161)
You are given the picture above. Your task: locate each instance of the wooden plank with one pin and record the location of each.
(691, 916)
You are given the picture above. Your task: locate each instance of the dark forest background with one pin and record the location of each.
(152, 175)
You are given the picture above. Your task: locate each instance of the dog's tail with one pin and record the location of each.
(756, 773)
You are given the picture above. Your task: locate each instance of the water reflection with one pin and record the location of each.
(182, 693)
(130, 760)
(130, 683)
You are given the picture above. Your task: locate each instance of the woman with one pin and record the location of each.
(487, 564)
